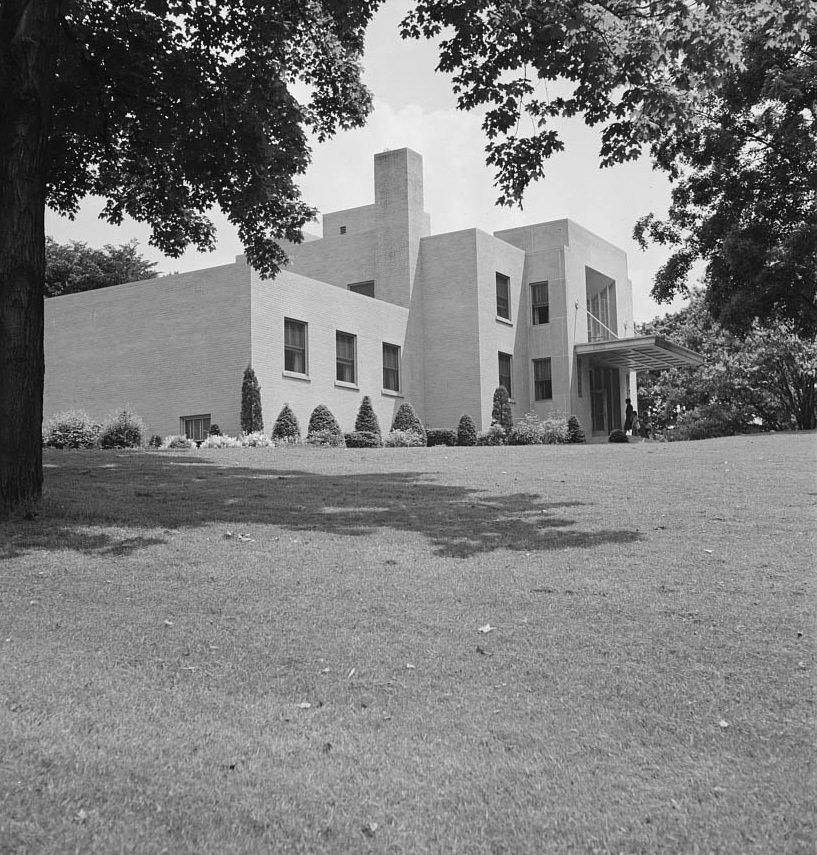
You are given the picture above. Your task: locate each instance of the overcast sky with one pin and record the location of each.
(414, 107)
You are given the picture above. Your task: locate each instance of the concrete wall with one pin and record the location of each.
(325, 310)
(165, 348)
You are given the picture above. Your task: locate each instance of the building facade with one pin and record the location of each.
(378, 306)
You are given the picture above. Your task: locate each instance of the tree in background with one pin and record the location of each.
(722, 95)
(164, 108)
(745, 201)
(252, 421)
(764, 379)
(501, 412)
(75, 266)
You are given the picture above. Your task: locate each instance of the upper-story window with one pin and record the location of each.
(540, 303)
(345, 357)
(503, 296)
(505, 363)
(294, 346)
(365, 288)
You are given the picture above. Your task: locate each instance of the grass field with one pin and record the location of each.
(279, 650)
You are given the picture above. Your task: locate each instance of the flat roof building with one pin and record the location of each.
(378, 306)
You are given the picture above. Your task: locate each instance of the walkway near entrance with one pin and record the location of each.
(525, 649)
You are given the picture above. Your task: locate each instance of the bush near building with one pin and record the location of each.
(363, 439)
(441, 437)
(366, 420)
(501, 411)
(466, 431)
(252, 420)
(575, 431)
(406, 419)
(286, 426)
(324, 429)
(122, 430)
(70, 429)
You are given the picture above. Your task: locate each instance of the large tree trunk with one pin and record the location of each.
(28, 55)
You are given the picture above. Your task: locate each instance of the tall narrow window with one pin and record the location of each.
(542, 382)
(391, 367)
(579, 377)
(503, 296)
(345, 357)
(540, 305)
(505, 372)
(294, 346)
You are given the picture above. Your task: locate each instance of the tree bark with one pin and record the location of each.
(29, 32)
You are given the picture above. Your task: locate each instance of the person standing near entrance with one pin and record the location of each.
(628, 416)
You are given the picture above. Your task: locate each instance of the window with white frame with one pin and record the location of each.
(195, 427)
(391, 367)
(542, 381)
(505, 365)
(503, 296)
(295, 346)
(540, 304)
(345, 346)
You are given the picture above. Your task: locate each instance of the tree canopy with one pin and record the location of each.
(165, 108)
(745, 200)
(73, 267)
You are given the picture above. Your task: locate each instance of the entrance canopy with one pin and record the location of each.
(641, 353)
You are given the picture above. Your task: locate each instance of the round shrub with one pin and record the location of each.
(575, 432)
(528, 431)
(155, 441)
(406, 419)
(122, 430)
(363, 439)
(404, 439)
(366, 420)
(70, 429)
(617, 436)
(466, 431)
(215, 430)
(495, 435)
(441, 437)
(177, 441)
(220, 440)
(286, 426)
(256, 439)
(324, 428)
(555, 431)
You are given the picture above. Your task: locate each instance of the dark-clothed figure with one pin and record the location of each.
(628, 416)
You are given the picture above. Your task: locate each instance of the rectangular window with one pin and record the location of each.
(542, 383)
(294, 346)
(503, 296)
(579, 377)
(391, 367)
(365, 288)
(345, 351)
(540, 306)
(195, 427)
(505, 372)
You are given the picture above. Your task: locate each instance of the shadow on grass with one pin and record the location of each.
(159, 491)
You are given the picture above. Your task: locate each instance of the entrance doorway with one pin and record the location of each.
(605, 399)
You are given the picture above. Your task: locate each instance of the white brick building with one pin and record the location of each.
(379, 306)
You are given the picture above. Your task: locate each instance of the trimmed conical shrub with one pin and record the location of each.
(366, 420)
(466, 431)
(501, 413)
(251, 418)
(323, 428)
(286, 426)
(575, 431)
(407, 419)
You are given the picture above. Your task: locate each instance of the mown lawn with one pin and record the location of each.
(647, 685)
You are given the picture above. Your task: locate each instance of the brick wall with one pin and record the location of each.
(168, 347)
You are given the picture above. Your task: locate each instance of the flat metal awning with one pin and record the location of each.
(640, 353)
